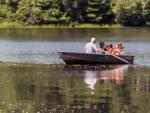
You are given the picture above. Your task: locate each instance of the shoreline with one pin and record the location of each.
(18, 25)
(77, 26)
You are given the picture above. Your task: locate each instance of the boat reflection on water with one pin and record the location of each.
(74, 89)
(90, 78)
(114, 75)
(106, 75)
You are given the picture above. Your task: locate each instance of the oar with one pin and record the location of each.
(115, 56)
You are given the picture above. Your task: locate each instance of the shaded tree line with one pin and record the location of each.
(37, 12)
(134, 13)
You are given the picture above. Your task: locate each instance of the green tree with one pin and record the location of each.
(8, 9)
(28, 12)
(147, 12)
(52, 13)
(99, 11)
(41, 12)
(12, 3)
(73, 9)
(131, 15)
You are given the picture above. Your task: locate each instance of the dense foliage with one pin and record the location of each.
(37, 12)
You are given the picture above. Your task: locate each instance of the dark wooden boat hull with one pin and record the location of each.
(72, 58)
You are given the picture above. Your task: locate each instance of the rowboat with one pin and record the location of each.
(72, 58)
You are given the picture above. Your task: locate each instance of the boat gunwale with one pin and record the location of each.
(94, 54)
(70, 59)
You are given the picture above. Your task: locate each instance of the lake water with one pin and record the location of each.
(35, 80)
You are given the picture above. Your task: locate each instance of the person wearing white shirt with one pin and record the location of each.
(91, 47)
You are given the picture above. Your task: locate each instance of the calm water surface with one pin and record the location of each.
(39, 46)
(60, 89)
(35, 80)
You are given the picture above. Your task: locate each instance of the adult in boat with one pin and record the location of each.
(91, 47)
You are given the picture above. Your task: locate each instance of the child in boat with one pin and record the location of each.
(110, 49)
(102, 47)
(118, 50)
(106, 48)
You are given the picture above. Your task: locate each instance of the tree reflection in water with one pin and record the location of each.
(73, 89)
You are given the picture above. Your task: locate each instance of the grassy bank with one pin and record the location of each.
(17, 25)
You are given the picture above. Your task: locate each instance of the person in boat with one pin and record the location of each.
(91, 47)
(118, 50)
(102, 46)
(106, 48)
(110, 49)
